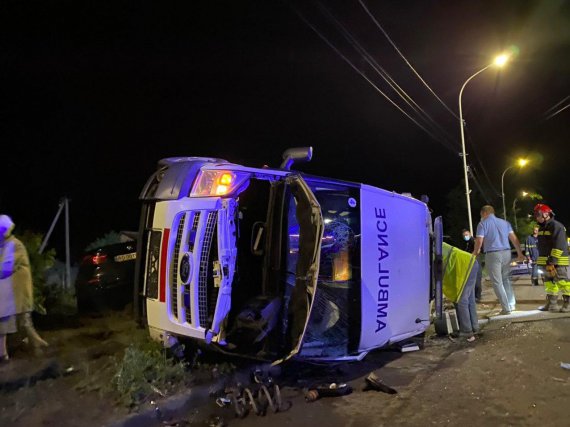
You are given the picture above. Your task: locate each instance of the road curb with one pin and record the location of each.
(170, 408)
(519, 301)
(527, 316)
(11, 381)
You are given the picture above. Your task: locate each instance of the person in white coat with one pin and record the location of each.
(16, 289)
(7, 298)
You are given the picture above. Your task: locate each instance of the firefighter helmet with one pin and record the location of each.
(543, 209)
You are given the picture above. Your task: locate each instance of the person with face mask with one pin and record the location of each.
(469, 247)
(468, 239)
(553, 257)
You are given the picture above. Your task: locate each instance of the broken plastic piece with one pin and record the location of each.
(223, 401)
(565, 365)
(409, 347)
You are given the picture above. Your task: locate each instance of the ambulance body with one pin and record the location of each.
(272, 263)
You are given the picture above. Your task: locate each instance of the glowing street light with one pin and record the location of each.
(499, 61)
(523, 194)
(520, 163)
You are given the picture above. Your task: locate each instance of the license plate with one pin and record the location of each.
(125, 257)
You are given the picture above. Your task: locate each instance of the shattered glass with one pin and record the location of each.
(334, 324)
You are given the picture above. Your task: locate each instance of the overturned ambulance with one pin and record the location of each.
(273, 263)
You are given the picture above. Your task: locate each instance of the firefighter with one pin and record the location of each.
(553, 256)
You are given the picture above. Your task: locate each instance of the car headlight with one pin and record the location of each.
(218, 183)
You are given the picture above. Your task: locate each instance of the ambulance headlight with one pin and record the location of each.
(219, 183)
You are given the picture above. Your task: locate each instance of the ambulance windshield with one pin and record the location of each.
(334, 325)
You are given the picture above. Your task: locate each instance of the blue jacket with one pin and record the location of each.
(531, 247)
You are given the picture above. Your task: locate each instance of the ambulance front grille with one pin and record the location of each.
(174, 283)
(204, 265)
(191, 242)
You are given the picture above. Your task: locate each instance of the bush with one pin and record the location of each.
(146, 372)
(39, 263)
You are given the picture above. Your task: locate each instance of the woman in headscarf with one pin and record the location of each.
(20, 301)
(7, 298)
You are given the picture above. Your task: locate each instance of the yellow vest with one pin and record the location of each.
(457, 266)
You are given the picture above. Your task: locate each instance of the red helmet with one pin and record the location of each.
(543, 209)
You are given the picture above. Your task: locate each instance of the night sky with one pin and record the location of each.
(93, 94)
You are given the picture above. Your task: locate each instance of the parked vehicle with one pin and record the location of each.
(520, 268)
(273, 263)
(106, 276)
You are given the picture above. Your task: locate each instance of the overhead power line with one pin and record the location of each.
(404, 58)
(555, 105)
(550, 114)
(427, 119)
(475, 152)
(363, 75)
(479, 186)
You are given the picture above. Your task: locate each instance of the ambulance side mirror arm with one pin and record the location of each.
(297, 154)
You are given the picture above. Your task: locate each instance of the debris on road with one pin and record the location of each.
(327, 390)
(264, 394)
(374, 383)
(409, 347)
(565, 365)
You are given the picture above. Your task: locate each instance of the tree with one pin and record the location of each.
(455, 217)
(526, 223)
(39, 263)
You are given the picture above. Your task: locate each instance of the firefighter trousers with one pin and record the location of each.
(559, 282)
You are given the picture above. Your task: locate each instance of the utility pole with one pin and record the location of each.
(67, 250)
(63, 204)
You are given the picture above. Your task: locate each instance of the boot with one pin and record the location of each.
(551, 303)
(534, 282)
(566, 306)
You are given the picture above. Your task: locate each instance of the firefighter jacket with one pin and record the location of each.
(552, 246)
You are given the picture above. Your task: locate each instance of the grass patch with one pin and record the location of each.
(146, 372)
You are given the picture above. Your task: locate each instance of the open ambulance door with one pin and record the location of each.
(309, 216)
(437, 267)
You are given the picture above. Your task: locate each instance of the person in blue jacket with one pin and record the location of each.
(531, 252)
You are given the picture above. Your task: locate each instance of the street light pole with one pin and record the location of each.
(463, 154)
(499, 62)
(503, 191)
(524, 194)
(521, 163)
(515, 214)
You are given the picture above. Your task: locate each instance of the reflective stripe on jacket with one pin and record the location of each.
(552, 243)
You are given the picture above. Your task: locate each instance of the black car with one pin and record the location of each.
(105, 278)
